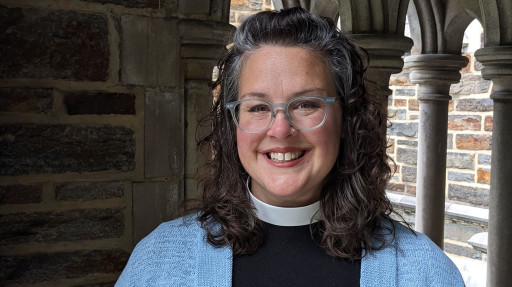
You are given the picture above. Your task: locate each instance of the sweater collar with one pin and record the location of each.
(284, 216)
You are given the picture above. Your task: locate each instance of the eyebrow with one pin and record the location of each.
(261, 95)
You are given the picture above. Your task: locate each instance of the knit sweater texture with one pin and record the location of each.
(177, 254)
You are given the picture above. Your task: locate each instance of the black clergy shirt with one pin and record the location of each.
(290, 256)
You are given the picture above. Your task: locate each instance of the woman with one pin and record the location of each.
(294, 193)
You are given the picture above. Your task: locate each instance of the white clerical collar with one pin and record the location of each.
(285, 216)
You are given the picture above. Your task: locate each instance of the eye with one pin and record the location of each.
(306, 104)
(258, 108)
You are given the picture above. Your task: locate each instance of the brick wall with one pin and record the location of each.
(469, 136)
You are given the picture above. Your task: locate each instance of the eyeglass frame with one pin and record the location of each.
(284, 106)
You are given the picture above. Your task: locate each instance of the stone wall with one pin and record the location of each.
(241, 9)
(468, 155)
(99, 101)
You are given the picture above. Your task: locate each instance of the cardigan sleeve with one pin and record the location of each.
(166, 257)
(412, 259)
(177, 254)
(423, 263)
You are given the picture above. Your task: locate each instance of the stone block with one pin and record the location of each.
(194, 7)
(474, 105)
(41, 267)
(54, 44)
(401, 79)
(468, 194)
(150, 51)
(60, 226)
(408, 156)
(198, 104)
(130, 3)
(199, 70)
(390, 149)
(405, 92)
(34, 149)
(464, 123)
(154, 203)
(460, 160)
(462, 250)
(397, 114)
(461, 231)
(19, 193)
(164, 151)
(411, 189)
(461, 176)
(470, 84)
(400, 103)
(84, 191)
(449, 141)
(403, 129)
(408, 174)
(488, 123)
(480, 241)
(450, 105)
(396, 187)
(414, 105)
(473, 142)
(483, 175)
(19, 100)
(407, 143)
(478, 66)
(484, 159)
(99, 103)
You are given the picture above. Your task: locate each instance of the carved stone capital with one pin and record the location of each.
(435, 73)
(497, 62)
(386, 51)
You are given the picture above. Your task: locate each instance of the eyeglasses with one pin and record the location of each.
(303, 113)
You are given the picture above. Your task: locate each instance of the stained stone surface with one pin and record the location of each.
(20, 100)
(99, 103)
(468, 194)
(83, 191)
(32, 148)
(53, 44)
(19, 193)
(58, 226)
(27, 269)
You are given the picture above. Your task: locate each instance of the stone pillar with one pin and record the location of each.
(434, 74)
(386, 51)
(202, 44)
(497, 63)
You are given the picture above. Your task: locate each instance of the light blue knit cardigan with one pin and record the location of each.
(177, 254)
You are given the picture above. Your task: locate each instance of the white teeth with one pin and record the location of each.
(278, 156)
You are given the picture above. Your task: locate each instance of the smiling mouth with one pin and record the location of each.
(285, 156)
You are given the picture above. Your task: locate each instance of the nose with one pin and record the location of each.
(281, 127)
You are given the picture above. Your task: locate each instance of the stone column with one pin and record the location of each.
(386, 51)
(497, 63)
(434, 74)
(202, 44)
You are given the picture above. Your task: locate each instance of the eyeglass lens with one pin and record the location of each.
(303, 112)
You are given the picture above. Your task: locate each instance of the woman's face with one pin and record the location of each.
(278, 74)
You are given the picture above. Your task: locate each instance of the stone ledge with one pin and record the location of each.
(452, 210)
(479, 241)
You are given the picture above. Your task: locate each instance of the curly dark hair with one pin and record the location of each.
(355, 212)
